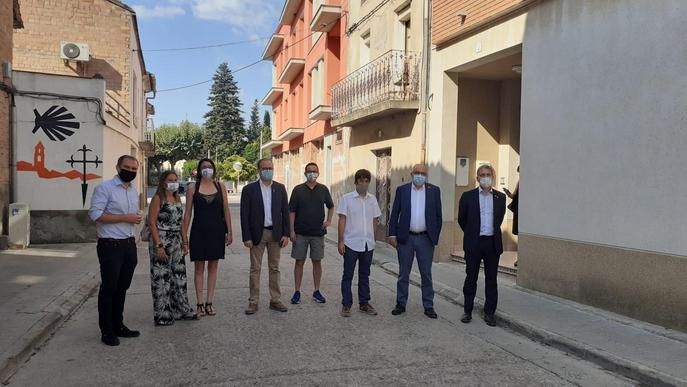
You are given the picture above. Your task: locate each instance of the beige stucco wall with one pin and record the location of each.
(444, 140)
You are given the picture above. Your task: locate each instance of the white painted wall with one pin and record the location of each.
(57, 193)
(604, 123)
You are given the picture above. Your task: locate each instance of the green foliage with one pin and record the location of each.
(247, 173)
(177, 142)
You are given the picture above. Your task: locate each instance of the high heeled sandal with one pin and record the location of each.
(201, 309)
(209, 310)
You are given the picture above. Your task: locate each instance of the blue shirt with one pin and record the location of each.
(111, 197)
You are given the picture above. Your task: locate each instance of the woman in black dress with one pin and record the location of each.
(206, 201)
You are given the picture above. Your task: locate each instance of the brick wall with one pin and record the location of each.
(6, 26)
(447, 25)
(104, 26)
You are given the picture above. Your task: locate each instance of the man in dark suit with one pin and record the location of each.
(265, 225)
(414, 230)
(480, 214)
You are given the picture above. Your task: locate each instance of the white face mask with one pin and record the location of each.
(207, 172)
(172, 187)
(485, 182)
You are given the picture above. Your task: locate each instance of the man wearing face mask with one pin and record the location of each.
(265, 226)
(414, 228)
(308, 227)
(358, 217)
(480, 214)
(115, 209)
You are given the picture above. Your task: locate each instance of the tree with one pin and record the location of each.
(178, 142)
(224, 125)
(266, 120)
(248, 172)
(255, 125)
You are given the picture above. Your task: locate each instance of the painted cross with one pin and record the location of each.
(55, 124)
(71, 161)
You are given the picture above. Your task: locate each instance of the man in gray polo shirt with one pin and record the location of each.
(308, 228)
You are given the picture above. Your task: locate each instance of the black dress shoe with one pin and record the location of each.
(467, 317)
(126, 332)
(110, 340)
(490, 320)
(398, 310)
(429, 312)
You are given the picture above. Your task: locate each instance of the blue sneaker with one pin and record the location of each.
(317, 296)
(296, 299)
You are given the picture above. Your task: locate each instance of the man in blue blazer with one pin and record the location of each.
(480, 214)
(414, 230)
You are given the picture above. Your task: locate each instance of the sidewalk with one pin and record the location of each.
(40, 286)
(644, 352)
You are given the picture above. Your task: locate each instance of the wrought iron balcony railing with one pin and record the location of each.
(394, 76)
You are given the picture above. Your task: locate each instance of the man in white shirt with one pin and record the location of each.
(358, 217)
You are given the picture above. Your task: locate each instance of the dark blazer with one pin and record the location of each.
(399, 222)
(253, 212)
(469, 219)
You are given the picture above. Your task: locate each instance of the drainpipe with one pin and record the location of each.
(426, 43)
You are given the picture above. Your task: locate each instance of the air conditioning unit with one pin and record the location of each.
(74, 51)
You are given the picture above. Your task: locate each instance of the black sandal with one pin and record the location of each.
(209, 310)
(201, 310)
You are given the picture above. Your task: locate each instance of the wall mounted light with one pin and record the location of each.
(517, 68)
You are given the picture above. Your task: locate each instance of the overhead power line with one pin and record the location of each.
(203, 47)
(254, 63)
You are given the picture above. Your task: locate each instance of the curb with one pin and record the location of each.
(46, 326)
(607, 361)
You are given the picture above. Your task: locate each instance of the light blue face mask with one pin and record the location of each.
(266, 174)
(312, 176)
(419, 179)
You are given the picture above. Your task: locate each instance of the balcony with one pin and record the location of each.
(291, 133)
(325, 18)
(321, 113)
(271, 144)
(272, 96)
(387, 85)
(147, 143)
(293, 67)
(272, 46)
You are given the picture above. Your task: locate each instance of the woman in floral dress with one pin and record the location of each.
(167, 266)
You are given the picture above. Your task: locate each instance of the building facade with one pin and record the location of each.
(592, 109)
(10, 19)
(307, 51)
(378, 102)
(96, 44)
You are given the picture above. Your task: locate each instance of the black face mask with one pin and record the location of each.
(126, 176)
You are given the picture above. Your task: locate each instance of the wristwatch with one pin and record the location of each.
(160, 245)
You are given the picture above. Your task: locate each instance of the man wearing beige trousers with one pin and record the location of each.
(265, 226)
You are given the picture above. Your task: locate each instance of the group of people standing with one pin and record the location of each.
(269, 221)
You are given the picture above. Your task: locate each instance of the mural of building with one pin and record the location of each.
(593, 110)
(102, 98)
(308, 51)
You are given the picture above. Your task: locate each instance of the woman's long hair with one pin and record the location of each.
(162, 190)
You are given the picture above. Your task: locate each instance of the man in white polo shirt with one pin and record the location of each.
(358, 217)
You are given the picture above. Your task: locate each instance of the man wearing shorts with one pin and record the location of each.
(308, 227)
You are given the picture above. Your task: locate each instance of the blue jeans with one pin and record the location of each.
(421, 247)
(365, 261)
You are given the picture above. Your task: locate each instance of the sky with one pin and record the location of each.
(191, 23)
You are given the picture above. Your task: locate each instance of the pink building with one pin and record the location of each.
(308, 52)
